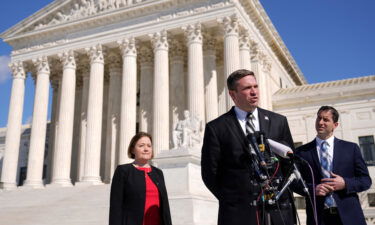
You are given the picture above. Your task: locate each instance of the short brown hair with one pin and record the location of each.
(134, 141)
(334, 112)
(237, 75)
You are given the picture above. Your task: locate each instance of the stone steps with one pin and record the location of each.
(84, 205)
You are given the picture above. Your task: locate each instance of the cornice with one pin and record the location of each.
(263, 23)
(327, 92)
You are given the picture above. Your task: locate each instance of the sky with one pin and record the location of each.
(329, 40)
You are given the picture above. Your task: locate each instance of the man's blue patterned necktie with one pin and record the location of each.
(326, 165)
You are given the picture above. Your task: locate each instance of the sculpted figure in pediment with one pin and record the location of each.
(58, 18)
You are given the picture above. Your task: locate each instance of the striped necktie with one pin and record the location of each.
(250, 128)
(326, 166)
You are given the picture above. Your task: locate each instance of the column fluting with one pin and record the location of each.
(91, 172)
(210, 78)
(145, 57)
(113, 120)
(13, 135)
(63, 151)
(39, 125)
(128, 96)
(195, 77)
(161, 92)
(231, 50)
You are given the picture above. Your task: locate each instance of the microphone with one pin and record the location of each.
(286, 152)
(254, 145)
(280, 149)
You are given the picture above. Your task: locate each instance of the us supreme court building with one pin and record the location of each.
(115, 67)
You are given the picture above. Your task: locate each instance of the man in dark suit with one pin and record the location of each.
(339, 173)
(226, 164)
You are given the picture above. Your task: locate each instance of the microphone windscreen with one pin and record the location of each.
(279, 149)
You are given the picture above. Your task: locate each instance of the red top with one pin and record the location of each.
(152, 204)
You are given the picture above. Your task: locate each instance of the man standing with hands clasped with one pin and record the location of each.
(339, 173)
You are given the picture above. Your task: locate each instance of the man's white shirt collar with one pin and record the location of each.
(241, 116)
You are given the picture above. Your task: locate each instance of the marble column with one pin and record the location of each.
(83, 121)
(177, 98)
(195, 81)
(244, 42)
(267, 83)
(257, 60)
(221, 80)
(146, 88)
(231, 50)
(91, 174)
(55, 102)
(39, 125)
(63, 152)
(210, 78)
(76, 128)
(13, 135)
(113, 116)
(128, 96)
(161, 92)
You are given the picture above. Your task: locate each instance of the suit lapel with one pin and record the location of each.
(314, 155)
(335, 160)
(231, 120)
(264, 121)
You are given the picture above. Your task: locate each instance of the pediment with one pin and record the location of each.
(61, 12)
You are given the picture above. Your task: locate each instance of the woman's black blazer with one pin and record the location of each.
(128, 196)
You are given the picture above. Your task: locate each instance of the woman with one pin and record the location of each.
(138, 193)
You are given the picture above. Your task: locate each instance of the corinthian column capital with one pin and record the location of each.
(244, 40)
(128, 47)
(230, 25)
(96, 54)
(193, 33)
(67, 58)
(145, 55)
(114, 59)
(18, 70)
(177, 51)
(209, 42)
(159, 40)
(41, 64)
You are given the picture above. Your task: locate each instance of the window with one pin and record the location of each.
(367, 146)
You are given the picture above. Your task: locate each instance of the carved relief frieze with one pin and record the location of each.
(85, 8)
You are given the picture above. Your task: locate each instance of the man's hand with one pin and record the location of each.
(336, 182)
(323, 189)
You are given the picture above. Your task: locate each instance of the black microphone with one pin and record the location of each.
(254, 144)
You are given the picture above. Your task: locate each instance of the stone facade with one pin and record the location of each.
(117, 67)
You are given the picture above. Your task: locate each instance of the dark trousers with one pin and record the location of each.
(331, 217)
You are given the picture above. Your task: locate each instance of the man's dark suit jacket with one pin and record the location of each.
(349, 164)
(225, 163)
(128, 196)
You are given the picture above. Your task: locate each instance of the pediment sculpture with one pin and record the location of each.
(187, 132)
(84, 8)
